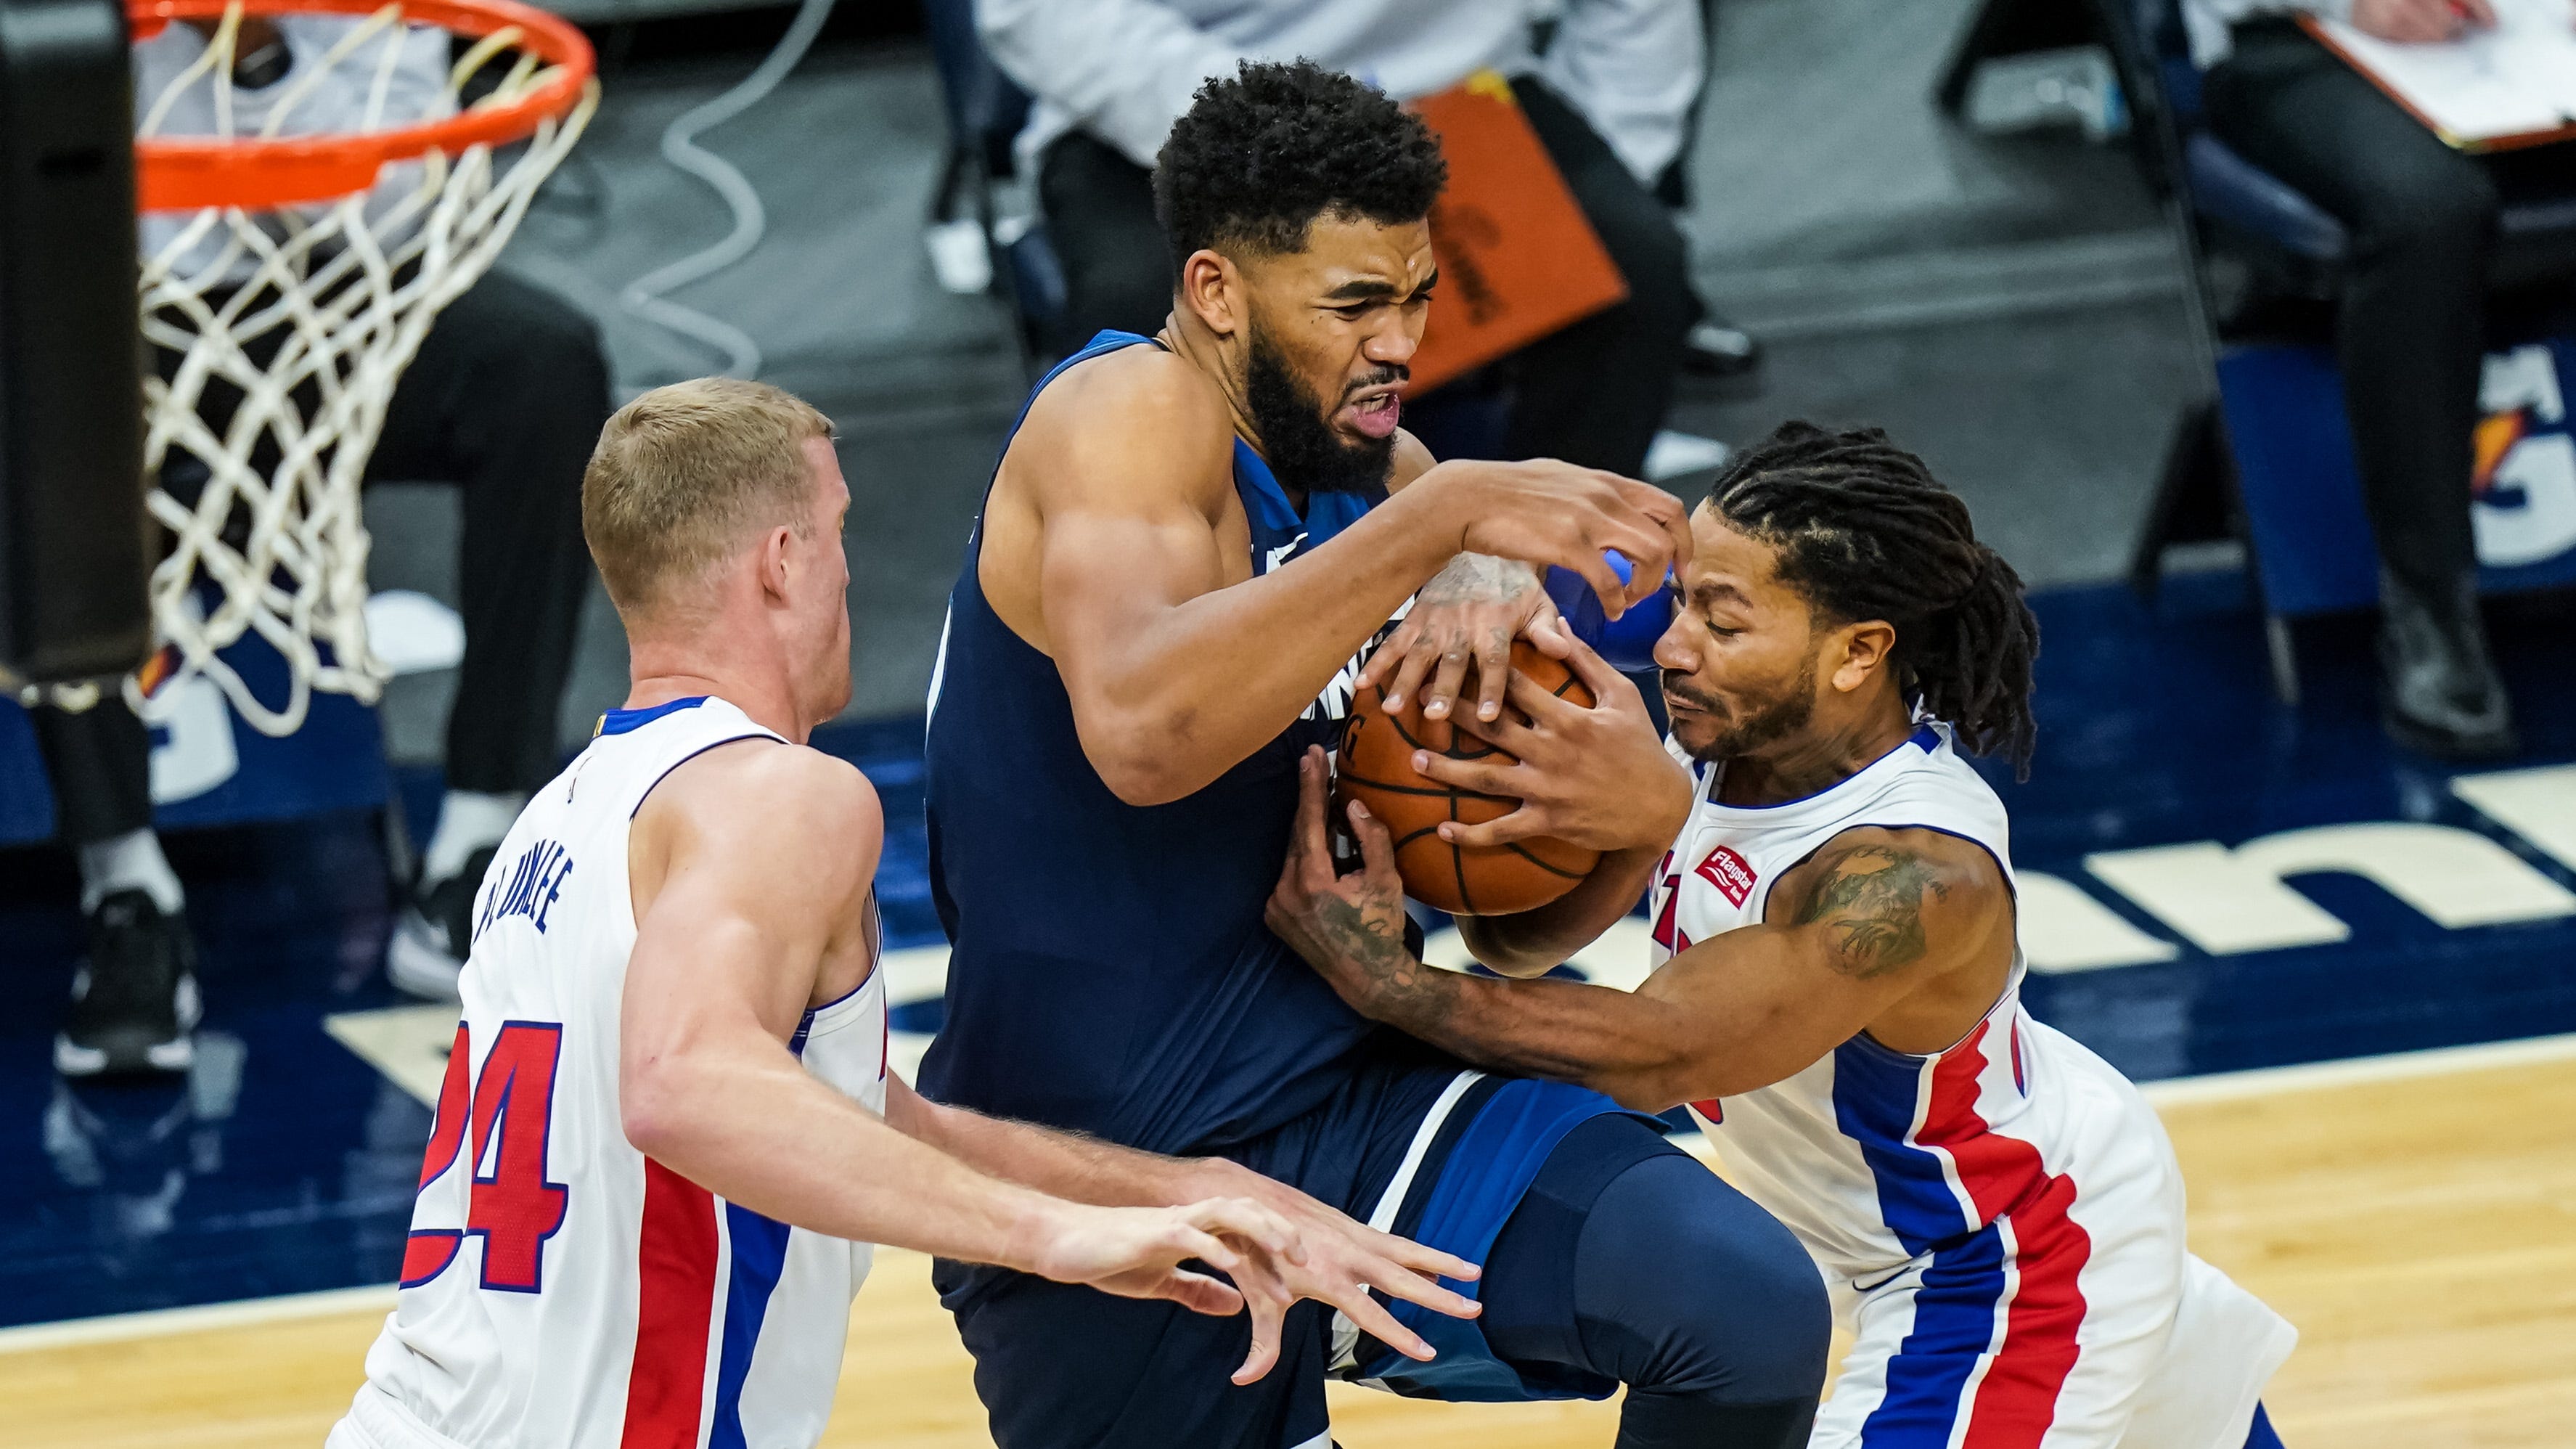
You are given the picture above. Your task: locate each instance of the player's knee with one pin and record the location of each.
(1720, 1301)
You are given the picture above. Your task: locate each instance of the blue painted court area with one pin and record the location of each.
(2212, 882)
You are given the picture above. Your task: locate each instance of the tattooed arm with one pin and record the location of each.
(1904, 933)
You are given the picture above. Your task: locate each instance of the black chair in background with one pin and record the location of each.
(985, 114)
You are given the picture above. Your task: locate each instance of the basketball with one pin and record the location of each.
(1376, 768)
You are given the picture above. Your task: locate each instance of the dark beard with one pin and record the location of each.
(1770, 721)
(1297, 436)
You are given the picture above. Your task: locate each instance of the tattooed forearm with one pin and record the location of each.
(1363, 951)
(1488, 1023)
(1475, 578)
(1871, 900)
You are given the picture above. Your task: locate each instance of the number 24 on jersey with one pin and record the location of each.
(507, 1112)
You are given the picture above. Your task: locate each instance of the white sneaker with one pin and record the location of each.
(1677, 455)
(434, 931)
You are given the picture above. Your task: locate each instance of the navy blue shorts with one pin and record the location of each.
(1410, 1142)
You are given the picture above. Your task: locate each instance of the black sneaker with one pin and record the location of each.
(2439, 693)
(134, 1002)
(434, 932)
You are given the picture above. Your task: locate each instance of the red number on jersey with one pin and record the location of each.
(513, 1207)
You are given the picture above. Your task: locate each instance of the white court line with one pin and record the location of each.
(115, 1327)
(2216, 1087)
(2394, 1066)
(2312, 1076)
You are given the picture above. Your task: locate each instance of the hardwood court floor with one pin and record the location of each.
(2415, 1217)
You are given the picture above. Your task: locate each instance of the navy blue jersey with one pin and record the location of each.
(1110, 971)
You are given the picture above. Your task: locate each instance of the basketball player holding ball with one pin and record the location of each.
(1838, 996)
(1187, 541)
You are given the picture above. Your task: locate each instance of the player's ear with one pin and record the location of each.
(1212, 288)
(1864, 650)
(774, 570)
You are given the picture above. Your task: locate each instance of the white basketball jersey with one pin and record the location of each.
(2001, 1222)
(1874, 1156)
(560, 1289)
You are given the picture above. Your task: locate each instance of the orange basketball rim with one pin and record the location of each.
(185, 173)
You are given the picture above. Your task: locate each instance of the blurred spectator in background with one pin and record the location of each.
(504, 400)
(2422, 261)
(1609, 99)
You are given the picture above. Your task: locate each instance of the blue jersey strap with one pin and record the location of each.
(1277, 527)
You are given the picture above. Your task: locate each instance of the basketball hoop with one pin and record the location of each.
(288, 279)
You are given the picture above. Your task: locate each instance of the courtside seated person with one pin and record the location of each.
(1610, 100)
(2424, 260)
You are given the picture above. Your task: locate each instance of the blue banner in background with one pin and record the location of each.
(210, 768)
(26, 802)
(2285, 419)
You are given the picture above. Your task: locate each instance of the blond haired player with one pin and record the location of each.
(667, 1133)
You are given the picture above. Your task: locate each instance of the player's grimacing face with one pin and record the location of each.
(820, 609)
(1346, 313)
(1739, 658)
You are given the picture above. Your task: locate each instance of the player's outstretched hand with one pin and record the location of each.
(1467, 615)
(1598, 777)
(1542, 511)
(1343, 1261)
(1138, 1252)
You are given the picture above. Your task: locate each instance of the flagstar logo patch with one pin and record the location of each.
(1729, 872)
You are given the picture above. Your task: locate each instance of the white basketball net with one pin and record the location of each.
(311, 312)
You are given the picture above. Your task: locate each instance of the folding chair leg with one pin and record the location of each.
(2192, 500)
(2284, 650)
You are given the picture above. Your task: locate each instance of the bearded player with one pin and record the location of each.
(1997, 1209)
(667, 1132)
(1187, 540)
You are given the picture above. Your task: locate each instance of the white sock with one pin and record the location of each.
(132, 861)
(468, 821)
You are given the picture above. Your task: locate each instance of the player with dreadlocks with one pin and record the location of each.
(1996, 1210)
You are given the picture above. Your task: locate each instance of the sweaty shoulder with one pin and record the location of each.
(1887, 900)
(1138, 420)
(794, 815)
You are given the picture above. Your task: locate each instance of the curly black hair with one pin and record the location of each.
(1865, 532)
(1262, 153)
